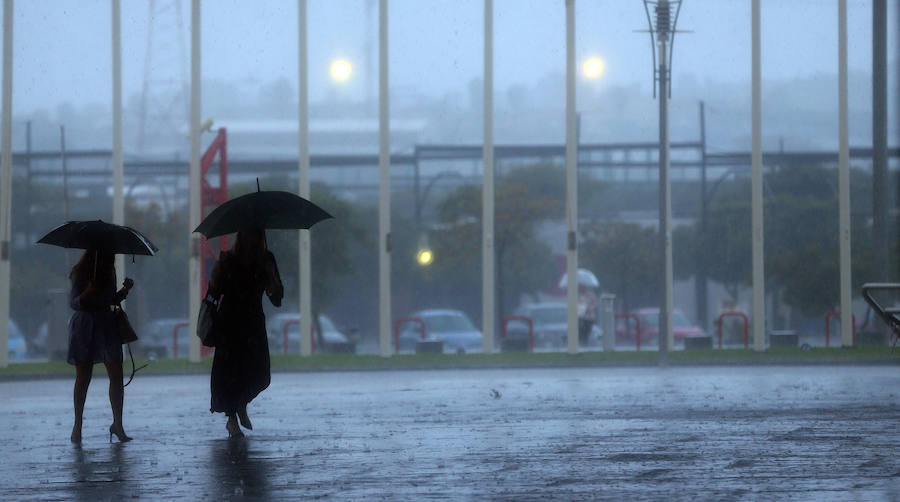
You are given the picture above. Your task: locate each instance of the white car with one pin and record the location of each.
(450, 326)
(549, 320)
(275, 326)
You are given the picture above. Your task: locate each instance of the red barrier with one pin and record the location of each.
(828, 317)
(312, 337)
(637, 321)
(175, 329)
(530, 328)
(399, 322)
(735, 313)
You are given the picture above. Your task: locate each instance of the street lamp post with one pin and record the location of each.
(662, 34)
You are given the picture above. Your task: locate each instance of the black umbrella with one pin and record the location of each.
(99, 235)
(262, 209)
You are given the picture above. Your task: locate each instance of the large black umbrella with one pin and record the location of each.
(100, 235)
(262, 209)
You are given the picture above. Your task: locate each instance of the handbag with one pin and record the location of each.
(206, 321)
(123, 326)
(126, 335)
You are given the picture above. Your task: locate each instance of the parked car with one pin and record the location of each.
(549, 323)
(155, 339)
(681, 327)
(18, 350)
(330, 336)
(450, 326)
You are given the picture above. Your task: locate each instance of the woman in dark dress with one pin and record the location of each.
(240, 368)
(92, 334)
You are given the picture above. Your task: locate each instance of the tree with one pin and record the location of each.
(624, 257)
(523, 198)
(801, 236)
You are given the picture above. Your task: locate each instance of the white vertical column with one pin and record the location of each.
(117, 167)
(6, 180)
(487, 197)
(759, 303)
(844, 180)
(303, 120)
(194, 185)
(571, 185)
(384, 186)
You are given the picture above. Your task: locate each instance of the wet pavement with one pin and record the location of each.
(718, 433)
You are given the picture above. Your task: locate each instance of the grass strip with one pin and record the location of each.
(353, 362)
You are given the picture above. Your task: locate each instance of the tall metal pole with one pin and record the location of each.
(702, 294)
(117, 165)
(487, 195)
(303, 118)
(571, 185)
(665, 198)
(759, 305)
(844, 179)
(64, 168)
(6, 179)
(384, 186)
(879, 139)
(194, 184)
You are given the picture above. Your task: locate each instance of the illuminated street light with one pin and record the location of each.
(425, 257)
(593, 68)
(341, 70)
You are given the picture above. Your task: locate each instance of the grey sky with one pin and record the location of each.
(62, 47)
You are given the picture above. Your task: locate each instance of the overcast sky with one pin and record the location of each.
(62, 47)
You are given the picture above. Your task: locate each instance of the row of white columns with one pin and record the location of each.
(488, 279)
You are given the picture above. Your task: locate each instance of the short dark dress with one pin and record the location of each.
(92, 334)
(241, 368)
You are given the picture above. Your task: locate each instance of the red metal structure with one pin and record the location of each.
(211, 197)
(175, 337)
(312, 338)
(530, 328)
(828, 317)
(735, 313)
(637, 320)
(399, 322)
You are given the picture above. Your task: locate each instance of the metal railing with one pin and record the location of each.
(399, 322)
(530, 328)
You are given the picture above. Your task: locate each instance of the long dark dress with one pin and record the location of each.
(240, 368)
(92, 334)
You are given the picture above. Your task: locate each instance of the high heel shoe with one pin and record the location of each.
(232, 427)
(245, 420)
(120, 434)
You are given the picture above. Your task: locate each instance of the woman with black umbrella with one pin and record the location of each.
(92, 334)
(241, 368)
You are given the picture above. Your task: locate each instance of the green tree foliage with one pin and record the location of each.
(801, 236)
(625, 258)
(524, 198)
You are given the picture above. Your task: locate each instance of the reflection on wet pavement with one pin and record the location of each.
(808, 433)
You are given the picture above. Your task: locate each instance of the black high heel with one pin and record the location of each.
(232, 427)
(244, 419)
(120, 434)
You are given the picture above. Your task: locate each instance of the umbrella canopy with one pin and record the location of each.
(585, 278)
(263, 209)
(99, 235)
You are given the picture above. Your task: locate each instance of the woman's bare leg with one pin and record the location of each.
(83, 373)
(116, 392)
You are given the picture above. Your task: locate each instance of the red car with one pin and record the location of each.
(681, 327)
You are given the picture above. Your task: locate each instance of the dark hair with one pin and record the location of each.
(84, 269)
(244, 246)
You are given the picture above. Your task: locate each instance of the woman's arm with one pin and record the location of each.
(274, 288)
